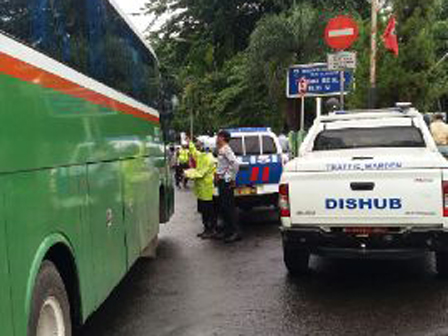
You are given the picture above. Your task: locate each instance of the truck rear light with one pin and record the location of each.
(284, 200)
(445, 198)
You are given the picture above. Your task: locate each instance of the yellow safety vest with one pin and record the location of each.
(184, 156)
(203, 175)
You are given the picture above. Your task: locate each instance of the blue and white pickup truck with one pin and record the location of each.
(368, 184)
(261, 165)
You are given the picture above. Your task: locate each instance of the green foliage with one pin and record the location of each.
(227, 60)
(412, 76)
(281, 40)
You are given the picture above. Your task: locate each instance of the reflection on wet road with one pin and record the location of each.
(197, 288)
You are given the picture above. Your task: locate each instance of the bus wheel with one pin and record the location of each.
(50, 308)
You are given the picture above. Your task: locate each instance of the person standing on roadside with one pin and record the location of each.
(184, 161)
(439, 130)
(203, 176)
(172, 158)
(226, 171)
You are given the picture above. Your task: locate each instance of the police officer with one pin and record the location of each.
(226, 171)
(203, 176)
(183, 164)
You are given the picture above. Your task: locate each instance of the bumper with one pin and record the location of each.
(257, 200)
(256, 190)
(403, 244)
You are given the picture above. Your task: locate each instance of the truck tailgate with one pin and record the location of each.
(261, 169)
(371, 198)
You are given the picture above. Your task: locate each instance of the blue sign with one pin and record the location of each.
(248, 129)
(321, 81)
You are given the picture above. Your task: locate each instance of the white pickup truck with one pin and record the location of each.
(367, 184)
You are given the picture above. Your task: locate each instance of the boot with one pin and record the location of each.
(233, 238)
(207, 234)
(200, 235)
(219, 235)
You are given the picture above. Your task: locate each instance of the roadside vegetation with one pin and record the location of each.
(227, 60)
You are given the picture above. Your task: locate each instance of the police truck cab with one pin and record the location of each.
(369, 184)
(261, 161)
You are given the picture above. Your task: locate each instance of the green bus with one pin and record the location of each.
(83, 173)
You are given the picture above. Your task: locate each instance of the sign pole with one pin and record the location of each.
(318, 106)
(191, 125)
(302, 116)
(372, 90)
(342, 88)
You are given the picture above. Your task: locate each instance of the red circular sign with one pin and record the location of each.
(341, 32)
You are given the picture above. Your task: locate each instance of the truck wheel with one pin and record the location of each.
(50, 308)
(442, 264)
(246, 208)
(296, 260)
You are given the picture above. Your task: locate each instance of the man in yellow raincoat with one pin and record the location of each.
(203, 177)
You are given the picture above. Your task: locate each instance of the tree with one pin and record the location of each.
(281, 40)
(199, 47)
(411, 76)
(226, 25)
(227, 60)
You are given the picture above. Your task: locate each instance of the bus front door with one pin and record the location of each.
(105, 213)
(5, 289)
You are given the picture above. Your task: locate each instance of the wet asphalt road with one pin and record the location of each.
(202, 288)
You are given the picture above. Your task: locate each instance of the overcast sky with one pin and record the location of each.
(134, 6)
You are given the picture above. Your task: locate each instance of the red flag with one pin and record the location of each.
(390, 36)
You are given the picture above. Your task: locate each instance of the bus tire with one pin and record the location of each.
(50, 307)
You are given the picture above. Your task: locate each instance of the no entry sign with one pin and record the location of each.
(341, 32)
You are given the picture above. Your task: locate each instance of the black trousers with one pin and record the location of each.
(227, 207)
(207, 210)
(179, 175)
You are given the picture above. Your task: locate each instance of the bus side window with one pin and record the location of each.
(152, 79)
(75, 27)
(96, 32)
(143, 73)
(41, 31)
(49, 31)
(16, 19)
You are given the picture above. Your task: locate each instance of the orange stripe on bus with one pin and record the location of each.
(29, 73)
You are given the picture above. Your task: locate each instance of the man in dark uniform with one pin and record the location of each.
(226, 171)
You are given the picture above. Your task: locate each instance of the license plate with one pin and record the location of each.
(365, 231)
(245, 191)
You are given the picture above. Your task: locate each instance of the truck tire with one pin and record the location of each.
(442, 264)
(296, 260)
(246, 208)
(50, 307)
